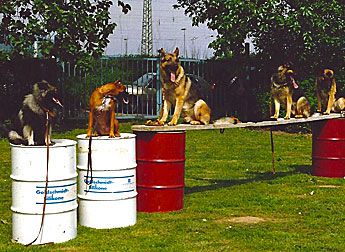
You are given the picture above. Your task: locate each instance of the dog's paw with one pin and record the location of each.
(154, 123)
(326, 113)
(195, 123)
(287, 118)
(172, 123)
(150, 123)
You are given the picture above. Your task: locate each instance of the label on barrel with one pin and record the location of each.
(109, 184)
(56, 194)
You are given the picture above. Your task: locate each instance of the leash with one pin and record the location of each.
(89, 154)
(272, 150)
(46, 181)
(89, 161)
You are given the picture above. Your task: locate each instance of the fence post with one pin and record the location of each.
(246, 81)
(159, 87)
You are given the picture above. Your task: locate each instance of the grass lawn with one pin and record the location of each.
(232, 201)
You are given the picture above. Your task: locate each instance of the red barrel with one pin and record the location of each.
(160, 170)
(328, 150)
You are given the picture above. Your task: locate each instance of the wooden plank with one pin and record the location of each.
(281, 121)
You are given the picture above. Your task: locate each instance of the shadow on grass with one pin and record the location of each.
(254, 177)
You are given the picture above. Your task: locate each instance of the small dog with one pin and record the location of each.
(30, 124)
(178, 91)
(326, 88)
(338, 105)
(285, 90)
(102, 109)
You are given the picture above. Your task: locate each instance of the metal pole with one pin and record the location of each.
(184, 42)
(272, 150)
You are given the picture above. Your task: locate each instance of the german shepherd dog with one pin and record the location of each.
(326, 88)
(285, 91)
(178, 90)
(102, 109)
(29, 127)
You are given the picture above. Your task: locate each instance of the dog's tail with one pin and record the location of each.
(12, 136)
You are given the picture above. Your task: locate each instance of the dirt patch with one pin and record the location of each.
(328, 186)
(243, 220)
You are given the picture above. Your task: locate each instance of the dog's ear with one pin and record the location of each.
(177, 51)
(161, 52)
(42, 85)
(328, 73)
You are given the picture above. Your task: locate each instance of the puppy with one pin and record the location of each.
(326, 88)
(38, 106)
(178, 91)
(284, 90)
(102, 109)
(338, 105)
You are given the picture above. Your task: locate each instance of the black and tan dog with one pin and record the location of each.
(102, 109)
(285, 91)
(29, 127)
(326, 89)
(178, 91)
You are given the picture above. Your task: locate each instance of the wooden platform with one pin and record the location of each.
(185, 127)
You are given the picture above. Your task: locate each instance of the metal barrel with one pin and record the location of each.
(29, 168)
(107, 198)
(160, 171)
(328, 149)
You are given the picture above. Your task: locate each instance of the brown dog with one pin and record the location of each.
(102, 109)
(178, 90)
(285, 91)
(326, 88)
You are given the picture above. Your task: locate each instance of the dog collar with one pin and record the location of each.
(280, 85)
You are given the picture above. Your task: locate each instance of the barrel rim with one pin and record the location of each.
(86, 199)
(124, 168)
(183, 132)
(18, 178)
(107, 138)
(58, 144)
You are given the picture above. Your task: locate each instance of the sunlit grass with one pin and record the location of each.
(232, 201)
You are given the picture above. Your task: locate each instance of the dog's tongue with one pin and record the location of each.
(125, 101)
(57, 102)
(172, 77)
(294, 83)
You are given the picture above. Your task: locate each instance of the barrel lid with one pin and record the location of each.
(57, 143)
(107, 138)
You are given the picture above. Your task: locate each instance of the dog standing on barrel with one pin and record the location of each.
(102, 109)
(285, 91)
(178, 90)
(39, 107)
(326, 88)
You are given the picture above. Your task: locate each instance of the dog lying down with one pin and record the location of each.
(29, 127)
(227, 120)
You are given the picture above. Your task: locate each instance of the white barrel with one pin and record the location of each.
(29, 170)
(107, 199)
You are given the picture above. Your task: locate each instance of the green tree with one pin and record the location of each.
(74, 30)
(309, 33)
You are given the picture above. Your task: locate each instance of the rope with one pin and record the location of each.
(89, 159)
(89, 162)
(46, 182)
(272, 150)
